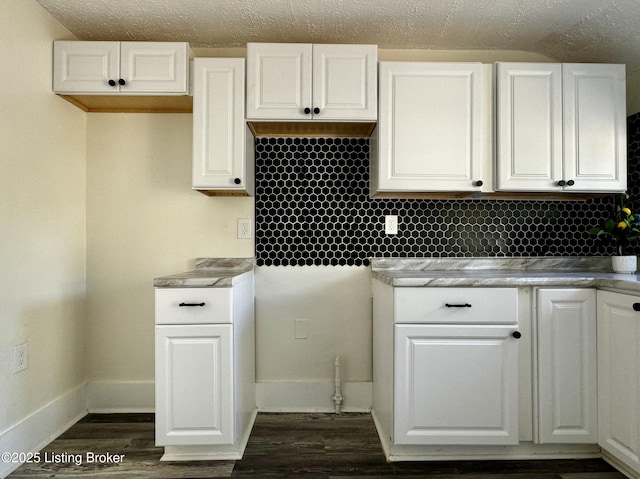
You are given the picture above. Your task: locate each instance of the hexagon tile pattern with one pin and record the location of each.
(313, 208)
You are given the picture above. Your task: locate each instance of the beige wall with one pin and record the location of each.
(42, 218)
(144, 221)
(633, 93)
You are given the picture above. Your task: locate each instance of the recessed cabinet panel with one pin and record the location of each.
(194, 408)
(430, 127)
(619, 377)
(279, 83)
(219, 133)
(297, 81)
(161, 67)
(85, 66)
(121, 68)
(344, 82)
(529, 125)
(561, 127)
(595, 126)
(567, 366)
(456, 385)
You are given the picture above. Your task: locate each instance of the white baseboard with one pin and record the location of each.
(42, 426)
(312, 396)
(105, 397)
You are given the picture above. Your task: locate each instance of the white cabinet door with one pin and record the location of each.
(219, 132)
(279, 81)
(561, 127)
(619, 377)
(154, 67)
(86, 67)
(298, 81)
(140, 68)
(529, 126)
(595, 138)
(456, 385)
(430, 127)
(194, 385)
(567, 366)
(345, 83)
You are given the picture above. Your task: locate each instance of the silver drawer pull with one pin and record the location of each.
(465, 305)
(191, 304)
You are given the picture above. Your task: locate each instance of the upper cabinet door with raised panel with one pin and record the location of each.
(85, 67)
(219, 132)
(561, 127)
(279, 81)
(595, 135)
(297, 81)
(345, 82)
(154, 67)
(430, 127)
(529, 126)
(103, 68)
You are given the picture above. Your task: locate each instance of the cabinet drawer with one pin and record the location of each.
(193, 305)
(456, 305)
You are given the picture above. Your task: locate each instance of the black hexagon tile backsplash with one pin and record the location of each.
(313, 208)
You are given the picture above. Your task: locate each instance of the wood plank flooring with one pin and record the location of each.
(323, 446)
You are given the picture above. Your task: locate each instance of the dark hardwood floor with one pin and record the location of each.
(323, 446)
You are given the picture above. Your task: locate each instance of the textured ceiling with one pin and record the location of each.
(565, 30)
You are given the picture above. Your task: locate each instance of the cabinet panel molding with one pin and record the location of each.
(567, 366)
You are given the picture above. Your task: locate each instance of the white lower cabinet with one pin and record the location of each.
(619, 379)
(195, 400)
(567, 366)
(499, 372)
(456, 384)
(205, 370)
(444, 372)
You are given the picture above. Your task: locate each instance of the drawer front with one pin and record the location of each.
(193, 305)
(456, 305)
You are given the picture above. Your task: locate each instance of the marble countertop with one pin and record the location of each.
(503, 272)
(210, 273)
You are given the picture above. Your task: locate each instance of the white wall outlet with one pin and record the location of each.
(244, 228)
(301, 329)
(391, 224)
(20, 357)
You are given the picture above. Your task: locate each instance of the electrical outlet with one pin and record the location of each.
(391, 224)
(244, 228)
(20, 357)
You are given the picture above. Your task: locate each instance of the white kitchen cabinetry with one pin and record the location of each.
(205, 377)
(561, 127)
(456, 384)
(222, 145)
(195, 400)
(445, 374)
(567, 366)
(433, 128)
(125, 68)
(619, 378)
(287, 81)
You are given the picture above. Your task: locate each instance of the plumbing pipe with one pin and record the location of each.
(337, 397)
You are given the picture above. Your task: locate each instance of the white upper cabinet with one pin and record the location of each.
(222, 149)
(125, 68)
(293, 81)
(433, 127)
(561, 127)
